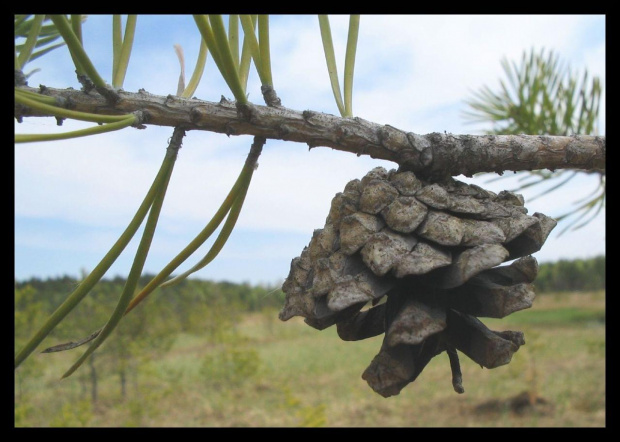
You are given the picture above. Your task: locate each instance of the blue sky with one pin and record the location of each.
(74, 198)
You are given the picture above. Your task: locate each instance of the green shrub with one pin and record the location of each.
(74, 414)
(231, 366)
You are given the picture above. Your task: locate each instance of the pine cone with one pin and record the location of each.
(429, 250)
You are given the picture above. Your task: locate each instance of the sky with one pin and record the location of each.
(73, 198)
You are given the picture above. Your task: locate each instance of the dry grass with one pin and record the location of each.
(290, 375)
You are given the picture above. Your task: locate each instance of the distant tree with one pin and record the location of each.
(572, 275)
(28, 313)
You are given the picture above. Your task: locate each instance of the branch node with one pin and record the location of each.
(246, 111)
(270, 96)
(229, 130)
(62, 102)
(195, 115)
(110, 94)
(87, 84)
(255, 150)
(225, 102)
(20, 78)
(142, 117)
(177, 139)
(383, 135)
(308, 115)
(421, 154)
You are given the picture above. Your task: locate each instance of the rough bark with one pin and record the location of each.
(434, 155)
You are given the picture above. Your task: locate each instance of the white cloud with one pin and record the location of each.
(412, 72)
(98, 180)
(432, 61)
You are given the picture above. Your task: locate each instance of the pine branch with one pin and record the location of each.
(434, 155)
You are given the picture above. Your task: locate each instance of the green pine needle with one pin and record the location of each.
(141, 254)
(100, 269)
(330, 58)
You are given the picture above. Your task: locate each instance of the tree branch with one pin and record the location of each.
(434, 155)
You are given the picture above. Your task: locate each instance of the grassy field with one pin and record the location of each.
(274, 374)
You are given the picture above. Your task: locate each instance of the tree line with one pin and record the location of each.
(207, 308)
(190, 299)
(571, 275)
(247, 297)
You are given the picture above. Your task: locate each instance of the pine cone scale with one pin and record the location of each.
(431, 249)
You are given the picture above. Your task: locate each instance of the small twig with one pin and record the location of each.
(455, 366)
(430, 154)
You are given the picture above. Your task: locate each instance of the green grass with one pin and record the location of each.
(274, 374)
(561, 316)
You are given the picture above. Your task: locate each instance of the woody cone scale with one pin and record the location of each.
(418, 262)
